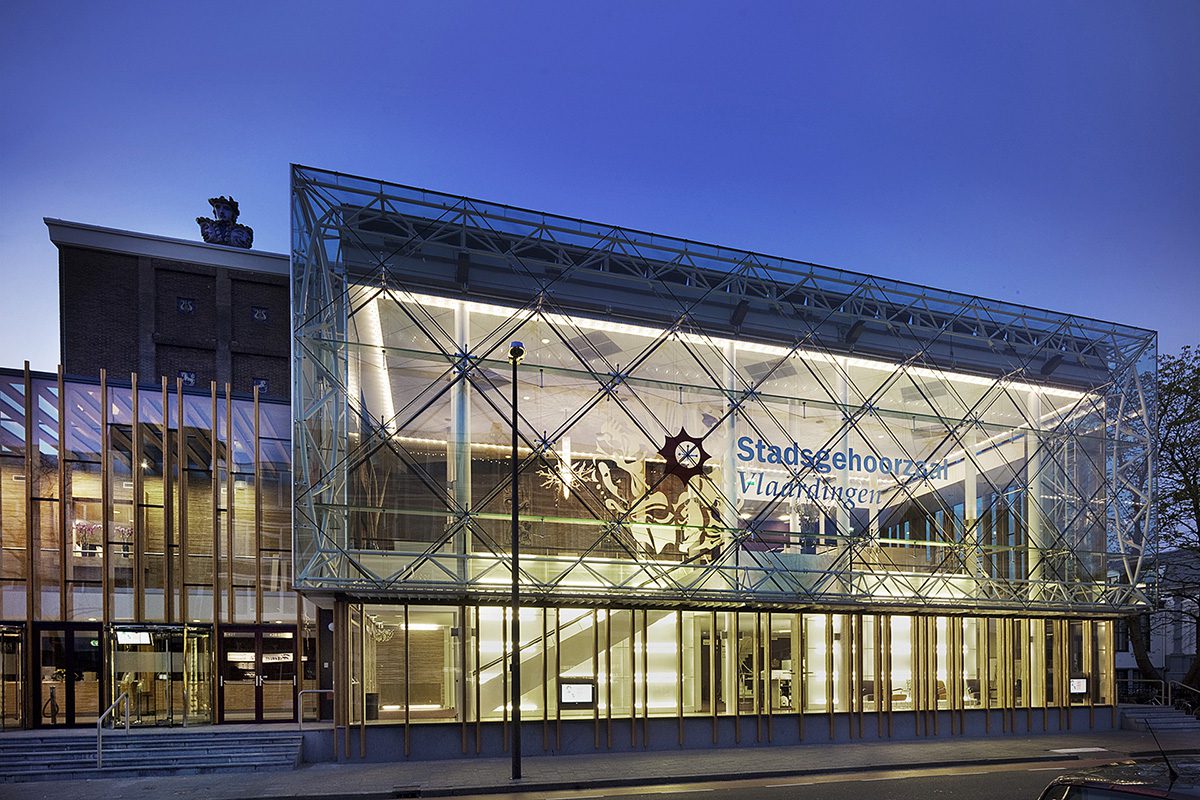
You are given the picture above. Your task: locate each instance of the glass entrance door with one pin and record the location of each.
(10, 677)
(277, 685)
(70, 677)
(258, 675)
(164, 671)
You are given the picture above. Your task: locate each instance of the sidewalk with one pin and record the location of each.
(602, 770)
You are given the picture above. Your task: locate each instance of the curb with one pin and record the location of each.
(508, 787)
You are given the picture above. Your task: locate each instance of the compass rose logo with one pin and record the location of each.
(685, 455)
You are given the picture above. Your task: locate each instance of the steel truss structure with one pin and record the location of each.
(992, 455)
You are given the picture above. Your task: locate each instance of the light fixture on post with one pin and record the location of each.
(516, 352)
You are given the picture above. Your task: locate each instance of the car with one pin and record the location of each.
(1177, 780)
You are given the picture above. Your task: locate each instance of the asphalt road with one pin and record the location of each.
(999, 782)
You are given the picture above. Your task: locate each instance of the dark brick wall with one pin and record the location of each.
(176, 292)
(98, 298)
(171, 361)
(251, 302)
(273, 369)
(129, 314)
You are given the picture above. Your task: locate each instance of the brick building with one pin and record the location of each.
(157, 306)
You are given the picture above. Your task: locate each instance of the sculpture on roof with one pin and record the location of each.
(223, 227)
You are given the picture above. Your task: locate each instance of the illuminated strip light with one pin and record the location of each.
(717, 341)
(373, 329)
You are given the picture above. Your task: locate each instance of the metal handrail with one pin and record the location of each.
(100, 726)
(1163, 691)
(1181, 685)
(300, 703)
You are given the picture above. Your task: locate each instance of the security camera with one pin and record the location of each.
(516, 352)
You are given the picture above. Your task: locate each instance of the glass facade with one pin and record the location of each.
(432, 663)
(854, 463)
(139, 522)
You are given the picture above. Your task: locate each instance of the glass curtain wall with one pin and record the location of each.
(412, 664)
(137, 506)
(834, 477)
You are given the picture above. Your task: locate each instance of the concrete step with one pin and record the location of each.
(158, 755)
(1166, 725)
(54, 757)
(118, 741)
(53, 765)
(137, 772)
(1160, 718)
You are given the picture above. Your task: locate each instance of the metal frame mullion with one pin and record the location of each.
(545, 681)
(713, 663)
(802, 707)
(557, 672)
(877, 655)
(829, 687)
(595, 678)
(678, 668)
(756, 676)
(407, 673)
(608, 662)
(478, 691)
(645, 679)
(463, 628)
(505, 697)
(768, 697)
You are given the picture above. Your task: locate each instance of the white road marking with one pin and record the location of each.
(1047, 769)
(1081, 750)
(680, 791)
(799, 783)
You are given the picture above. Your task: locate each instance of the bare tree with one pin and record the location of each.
(1177, 508)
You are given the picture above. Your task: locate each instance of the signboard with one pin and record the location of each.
(1078, 685)
(133, 637)
(576, 693)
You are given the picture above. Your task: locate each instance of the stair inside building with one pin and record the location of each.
(1162, 718)
(62, 756)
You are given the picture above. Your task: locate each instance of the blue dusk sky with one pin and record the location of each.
(1046, 153)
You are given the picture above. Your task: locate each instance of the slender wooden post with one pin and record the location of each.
(169, 570)
(139, 533)
(105, 502)
(181, 458)
(64, 506)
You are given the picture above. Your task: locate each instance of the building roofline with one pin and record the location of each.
(478, 205)
(95, 237)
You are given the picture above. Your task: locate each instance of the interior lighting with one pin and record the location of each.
(373, 331)
(585, 324)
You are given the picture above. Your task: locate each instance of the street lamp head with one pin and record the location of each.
(516, 352)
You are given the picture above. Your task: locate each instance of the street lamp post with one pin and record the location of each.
(516, 352)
